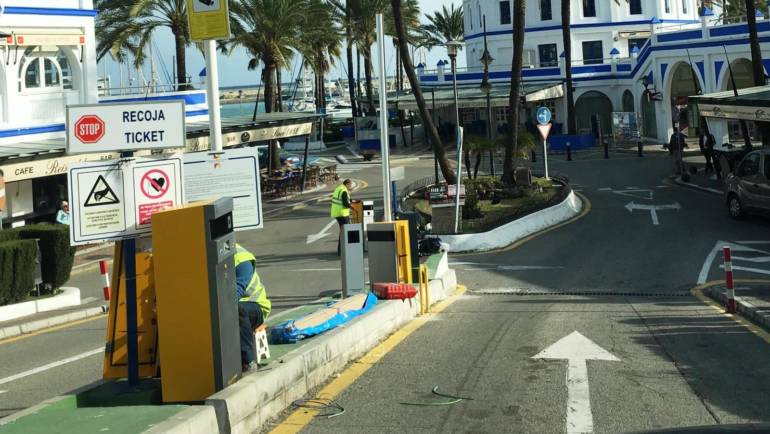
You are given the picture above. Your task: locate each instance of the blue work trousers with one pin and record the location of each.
(249, 318)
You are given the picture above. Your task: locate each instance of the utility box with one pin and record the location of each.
(389, 252)
(352, 253)
(368, 212)
(193, 255)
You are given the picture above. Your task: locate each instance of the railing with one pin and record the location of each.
(143, 90)
(418, 185)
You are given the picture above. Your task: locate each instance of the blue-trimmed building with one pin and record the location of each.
(642, 56)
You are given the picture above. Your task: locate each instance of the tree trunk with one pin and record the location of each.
(358, 83)
(181, 67)
(275, 151)
(371, 111)
(512, 146)
(349, 55)
(476, 166)
(467, 158)
(756, 62)
(438, 148)
(567, 38)
(279, 90)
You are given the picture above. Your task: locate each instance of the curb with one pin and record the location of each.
(516, 230)
(249, 404)
(678, 181)
(33, 326)
(745, 309)
(69, 297)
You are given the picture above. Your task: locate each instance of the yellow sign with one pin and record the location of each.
(208, 19)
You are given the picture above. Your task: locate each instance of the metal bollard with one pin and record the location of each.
(606, 149)
(729, 282)
(534, 156)
(569, 151)
(639, 148)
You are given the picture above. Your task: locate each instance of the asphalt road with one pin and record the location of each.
(40, 366)
(614, 276)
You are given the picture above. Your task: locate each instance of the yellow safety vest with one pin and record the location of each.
(338, 210)
(256, 292)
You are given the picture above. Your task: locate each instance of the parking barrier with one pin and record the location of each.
(105, 274)
(730, 283)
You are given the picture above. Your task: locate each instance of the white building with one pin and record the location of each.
(628, 56)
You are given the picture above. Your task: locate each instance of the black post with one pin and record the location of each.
(569, 151)
(304, 164)
(132, 334)
(433, 118)
(639, 148)
(534, 156)
(606, 148)
(411, 125)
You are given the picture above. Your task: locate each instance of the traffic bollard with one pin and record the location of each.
(606, 149)
(729, 282)
(639, 148)
(105, 274)
(534, 156)
(569, 152)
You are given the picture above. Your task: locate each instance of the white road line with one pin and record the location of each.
(52, 365)
(3, 391)
(749, 269)
(759, 260)
(753, 242)
(321, 234)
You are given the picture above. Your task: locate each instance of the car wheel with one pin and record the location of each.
(735, 207)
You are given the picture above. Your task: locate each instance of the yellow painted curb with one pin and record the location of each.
(753, 328)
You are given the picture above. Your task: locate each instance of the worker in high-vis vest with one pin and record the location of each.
(253, 304)
(341, 206)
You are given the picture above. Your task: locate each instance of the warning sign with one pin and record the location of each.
(101, 194)
(116, 200)
(156, 187)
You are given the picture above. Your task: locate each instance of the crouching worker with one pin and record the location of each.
(253, 305)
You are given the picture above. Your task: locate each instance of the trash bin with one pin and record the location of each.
(356, 212)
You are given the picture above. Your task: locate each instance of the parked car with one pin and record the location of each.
(748, 186)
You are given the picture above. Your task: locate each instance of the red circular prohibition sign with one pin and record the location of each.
(160, 184)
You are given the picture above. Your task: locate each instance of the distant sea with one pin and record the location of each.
(241, 109)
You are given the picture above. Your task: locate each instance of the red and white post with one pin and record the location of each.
(105, 274)
(729, 282)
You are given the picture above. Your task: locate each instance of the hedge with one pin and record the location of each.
(56, 255)
(17, 270)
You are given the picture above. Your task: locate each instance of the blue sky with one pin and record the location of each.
(232, 69)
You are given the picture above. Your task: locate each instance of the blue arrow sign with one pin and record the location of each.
(543, 115)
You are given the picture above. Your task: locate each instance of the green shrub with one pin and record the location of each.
(9, 235)
(471, 209)
(17, 270)
(56, 255)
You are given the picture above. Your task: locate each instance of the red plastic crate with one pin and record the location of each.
(394, 291)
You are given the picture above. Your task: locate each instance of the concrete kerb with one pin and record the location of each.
(678, 181)
(246, 406)
(745, 308)
(67, 298)
(516, 230)
(37, 325)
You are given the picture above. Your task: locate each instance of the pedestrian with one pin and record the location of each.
(341, 205)
(706, 143)
(253, 304)
(676, 146)
(63, 216)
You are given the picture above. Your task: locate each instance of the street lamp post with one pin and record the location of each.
(486, 89)
(451, 48)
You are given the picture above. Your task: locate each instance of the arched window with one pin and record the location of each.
(44, 70)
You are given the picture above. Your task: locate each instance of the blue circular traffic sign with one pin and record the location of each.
(543, 115)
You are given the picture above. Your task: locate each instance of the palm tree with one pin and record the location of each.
(756, 52)
(511, 147)
(320, 43)
(130, 24)
(268, 30)
(566, 17)
(446, 25)
(403, 47)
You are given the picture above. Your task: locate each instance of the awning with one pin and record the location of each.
(43, 36)
(751, 104)
(38, 158)
(472, 97)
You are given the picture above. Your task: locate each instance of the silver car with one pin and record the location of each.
(748, 187)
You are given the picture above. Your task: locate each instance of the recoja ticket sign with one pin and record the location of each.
(125, 127)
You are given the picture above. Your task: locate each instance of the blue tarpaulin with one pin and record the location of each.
(287, 333)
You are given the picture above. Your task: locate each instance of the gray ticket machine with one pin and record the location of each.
(352, 254)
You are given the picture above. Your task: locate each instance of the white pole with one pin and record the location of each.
(545, 157)
(383, 120)
(212, 94)
(459, 137)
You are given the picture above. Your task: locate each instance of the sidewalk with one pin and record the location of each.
(706, 182)
(752, 300)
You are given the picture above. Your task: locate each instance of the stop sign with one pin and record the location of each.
(89, 129)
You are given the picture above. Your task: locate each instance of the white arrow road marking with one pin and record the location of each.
(577, 350)
(52, 365)
(704, 271)
(653, 209)
(3, 391)
(321, 234)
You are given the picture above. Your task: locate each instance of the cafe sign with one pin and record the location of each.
(748, 113)
(49, 167)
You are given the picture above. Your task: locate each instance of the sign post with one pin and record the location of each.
(2, 199)
(209, 21)
(544, 125)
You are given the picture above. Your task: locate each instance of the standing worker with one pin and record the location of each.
(676, 146)
(253, 305)
(341, 206)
